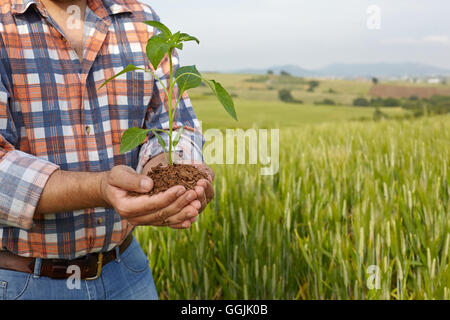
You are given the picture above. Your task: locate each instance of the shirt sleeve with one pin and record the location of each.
(191, 142)
(22, 176)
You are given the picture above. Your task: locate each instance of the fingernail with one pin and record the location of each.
(186, 225)
(146, 183)
(181, 192)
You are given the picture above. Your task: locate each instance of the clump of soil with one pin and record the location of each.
(166, 177)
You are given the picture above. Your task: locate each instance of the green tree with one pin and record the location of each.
(312, 85)
(285, 95)
(361, 102)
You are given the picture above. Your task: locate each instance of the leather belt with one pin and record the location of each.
(90, 265)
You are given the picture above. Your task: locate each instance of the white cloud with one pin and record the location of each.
(430, 39)
(438, 39)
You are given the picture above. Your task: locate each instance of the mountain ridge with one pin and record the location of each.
(343, 70)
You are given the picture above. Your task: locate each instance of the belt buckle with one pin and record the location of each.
(99, 267)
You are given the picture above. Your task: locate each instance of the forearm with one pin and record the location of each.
(70, 191)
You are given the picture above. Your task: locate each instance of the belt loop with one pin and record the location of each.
(37, 268)
(117, 253)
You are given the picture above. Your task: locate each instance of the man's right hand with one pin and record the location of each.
(175, 207)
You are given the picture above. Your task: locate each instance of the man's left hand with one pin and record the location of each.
(204, 188)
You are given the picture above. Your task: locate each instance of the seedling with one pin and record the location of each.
(158, 47)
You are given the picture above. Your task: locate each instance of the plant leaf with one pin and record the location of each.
(177, 137)
(210, 84)
(157, 48)
(161, 27)
(161, 141)
(223, 96)
(128, 68)
(178, 46)
(132, 138)
(176, 36)
(188, 78)
(186, 37)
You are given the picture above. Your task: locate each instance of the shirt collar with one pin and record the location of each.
(112, 7)
(20, 6)
(116, 6)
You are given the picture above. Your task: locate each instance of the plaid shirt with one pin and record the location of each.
(52, 116)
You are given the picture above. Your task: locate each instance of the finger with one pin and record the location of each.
(126, 178)
(131, 207)
(209, 190)
(175, 207)
(181, 226)
(201, 197)
(184, 225)
(185, 215)
(158, 219)
(181, 203)
(196, 204)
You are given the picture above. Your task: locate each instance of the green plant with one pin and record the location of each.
(285, 95)
(391, 102)
(326, 102)
(378, 114)
(330, 90)
(312, 85)
(349, 195)
(158, 47)
(361, 102)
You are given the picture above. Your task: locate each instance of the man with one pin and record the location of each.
(65, 207)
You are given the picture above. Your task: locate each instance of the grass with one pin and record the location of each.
(258, 104)
(277, 114)
(349, 195)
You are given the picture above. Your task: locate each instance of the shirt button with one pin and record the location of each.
(99, 221)
(88, 130)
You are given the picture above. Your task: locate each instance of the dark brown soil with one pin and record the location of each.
(166, 177)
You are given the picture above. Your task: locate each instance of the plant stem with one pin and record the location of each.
(170, 107)
(159, 80)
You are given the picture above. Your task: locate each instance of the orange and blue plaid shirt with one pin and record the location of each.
(52, 116)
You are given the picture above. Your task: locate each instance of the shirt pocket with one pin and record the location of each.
(140, 90)
(129, 96)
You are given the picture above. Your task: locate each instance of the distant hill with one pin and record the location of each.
(292, 69)
(340, 70)
(383, 70)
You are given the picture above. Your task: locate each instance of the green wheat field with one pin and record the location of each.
(352, 194)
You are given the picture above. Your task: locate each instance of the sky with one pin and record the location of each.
(240, 34)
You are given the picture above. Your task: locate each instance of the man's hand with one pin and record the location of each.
(204, 188)
(175, 207)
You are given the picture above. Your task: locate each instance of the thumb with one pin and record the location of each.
(126, 178)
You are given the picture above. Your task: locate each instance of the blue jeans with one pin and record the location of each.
(126, 278)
